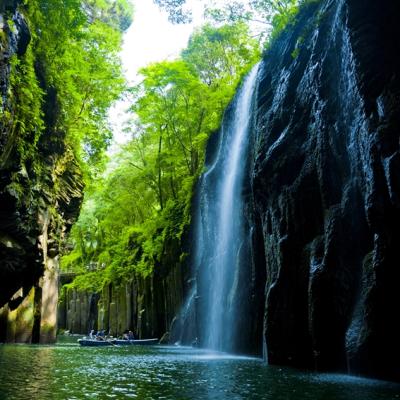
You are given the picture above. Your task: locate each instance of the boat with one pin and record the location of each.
(94, 342)
(127, 342)
(116, 342)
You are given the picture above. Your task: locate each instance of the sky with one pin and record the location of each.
(150, 38)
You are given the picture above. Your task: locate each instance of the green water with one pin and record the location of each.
(66, 371)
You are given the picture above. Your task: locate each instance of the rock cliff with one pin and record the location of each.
(145, 305)
(40, 196)
(326, 187)
(322, 205)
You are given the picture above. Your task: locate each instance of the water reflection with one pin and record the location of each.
(25, 371)
(66, 371)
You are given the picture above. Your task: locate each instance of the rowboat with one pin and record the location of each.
(94, 342)
(116, 342)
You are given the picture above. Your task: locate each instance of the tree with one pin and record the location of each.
(277, 12)
(115, 13)
(221, 54)
(175, 8)
(270, 16)
(76, 45)
(143, 205)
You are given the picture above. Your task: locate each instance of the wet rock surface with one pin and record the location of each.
(326, 189)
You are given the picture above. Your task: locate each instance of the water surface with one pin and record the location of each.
(66, 371)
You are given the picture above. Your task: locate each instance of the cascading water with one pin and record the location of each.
(182, 330)
(221, 230)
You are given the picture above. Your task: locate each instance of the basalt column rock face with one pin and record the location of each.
(145, 305)
(40, 197)
(326, 183)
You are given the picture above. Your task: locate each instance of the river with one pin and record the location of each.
(66, 371)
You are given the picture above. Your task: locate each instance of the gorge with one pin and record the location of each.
(308, 229)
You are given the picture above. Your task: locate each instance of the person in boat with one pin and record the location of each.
(92, 334)
(131, 336)
(125, 336)
(100, 335)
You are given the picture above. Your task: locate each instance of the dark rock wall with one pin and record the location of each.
(326, 187)
(39, 198)
(16, 233)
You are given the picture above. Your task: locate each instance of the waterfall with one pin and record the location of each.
(183, 326)
(221, 231)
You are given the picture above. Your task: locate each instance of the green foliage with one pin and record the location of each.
(26, 122)
(220, 55)
(55, 111)
(92, 282)
(60, 92)
(272, 15)
(175, 9)
(229, 11)
(295, 52)
(281, 13)
(75, 44)
(22, 118)
(134, 219)
(28, 99)
(115, 13)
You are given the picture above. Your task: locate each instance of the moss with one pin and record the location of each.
(90, 282)
(62, 296)
(3, 39)
(295, 53)
(47, 329)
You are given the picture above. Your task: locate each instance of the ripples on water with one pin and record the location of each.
(66, 371)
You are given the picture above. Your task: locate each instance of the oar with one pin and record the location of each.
(113, 344)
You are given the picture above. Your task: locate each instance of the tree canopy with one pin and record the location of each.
(176, 11)
(271, 16)
(128, 223)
